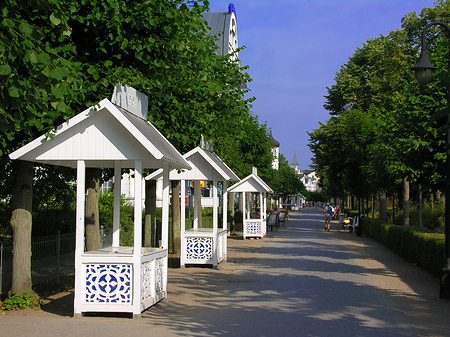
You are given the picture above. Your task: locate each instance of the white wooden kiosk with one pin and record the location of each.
(203, 245)
(113, 279)
(253, 227)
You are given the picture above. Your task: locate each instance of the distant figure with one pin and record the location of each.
(276, 211)
(327, 210)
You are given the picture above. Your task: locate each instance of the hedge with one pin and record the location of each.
(416, 244)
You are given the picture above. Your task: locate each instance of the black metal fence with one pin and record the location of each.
(52, 256)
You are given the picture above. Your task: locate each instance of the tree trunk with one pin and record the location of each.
(432, 199)
(405, 201)
(231, 197)
(91, 214)
(176, 218)
(241, 203)
(420, 205)
(198, 202)
(373, 207)
(393, 206)
(150, 214)
(438, 197)
(383, 205)
(21, 223)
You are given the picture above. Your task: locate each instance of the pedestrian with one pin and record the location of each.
(327, 210)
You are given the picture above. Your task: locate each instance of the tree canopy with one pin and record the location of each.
(384, 126)
(59, 57)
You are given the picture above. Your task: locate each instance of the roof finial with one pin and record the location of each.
(205, 145)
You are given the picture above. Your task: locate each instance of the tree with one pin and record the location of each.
(58, 57)
(285, 180)
(379, 122)
(37, 81)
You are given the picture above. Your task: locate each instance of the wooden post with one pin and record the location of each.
(79, 243)
(215, 222)
(225, 205)
(137, 251)
(116, 209)
(183, 221)
(165, 208)
(243, 215)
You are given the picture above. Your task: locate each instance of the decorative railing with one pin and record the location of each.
(201, 247)
(110, 281)
(254, 228)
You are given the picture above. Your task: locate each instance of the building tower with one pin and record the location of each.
(275, 153)
(294, 164)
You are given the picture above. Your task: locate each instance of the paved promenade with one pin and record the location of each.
(299, 281)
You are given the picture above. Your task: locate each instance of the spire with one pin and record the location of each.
(294, 161)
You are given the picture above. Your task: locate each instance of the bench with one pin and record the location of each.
(273, 222)
(285, 210)
(282, 218)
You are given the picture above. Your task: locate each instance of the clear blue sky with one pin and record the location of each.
(294, 49)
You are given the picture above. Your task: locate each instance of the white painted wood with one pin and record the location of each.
(196, 215)
(131, 100)
(183, 221)
(138, 206)
(225, 205)
(107, 136)
(165, 208)
(79, 244)
(205, 166)
(137, 232)
(215, 222)
(243, 215)
(100, 135)
(116, 210)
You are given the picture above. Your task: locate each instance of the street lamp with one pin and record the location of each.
(423, 71)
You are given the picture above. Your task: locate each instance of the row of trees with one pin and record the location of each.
(385, 129)
(59, 57)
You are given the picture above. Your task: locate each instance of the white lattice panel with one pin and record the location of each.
(219, 247)
(146, 280)
(108, 283)
(253, 228)
(160, 269)
(198, 248)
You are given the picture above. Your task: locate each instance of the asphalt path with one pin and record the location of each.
(298, 281)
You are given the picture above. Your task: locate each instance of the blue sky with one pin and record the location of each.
(294, 49)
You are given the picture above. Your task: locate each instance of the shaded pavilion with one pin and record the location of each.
(254, 223)
(113, 134)
(203, 245)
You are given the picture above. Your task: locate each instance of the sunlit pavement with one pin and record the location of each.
(303, 281)
(298, 281)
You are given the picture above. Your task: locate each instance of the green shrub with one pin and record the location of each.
(238, 217)
(17, 301)
(416, 244)
(106, 209)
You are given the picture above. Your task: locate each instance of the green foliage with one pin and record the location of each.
(21, 301)
(384, 126)
(106, 209)
(5, 215)
(61, 57)
(238, 217)
(284, 180)
(416, 244)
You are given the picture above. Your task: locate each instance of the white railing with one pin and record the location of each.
(201, 246)
(110, 279)
(254, 228)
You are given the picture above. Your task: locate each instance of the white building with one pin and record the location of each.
(275, 153)
(308, 177)
(224, 27)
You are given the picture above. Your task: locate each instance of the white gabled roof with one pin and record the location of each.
(101, 135)
(251, 183)
(206, 165)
